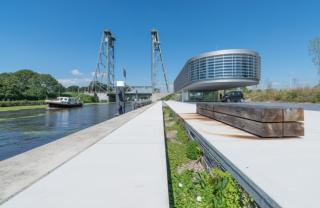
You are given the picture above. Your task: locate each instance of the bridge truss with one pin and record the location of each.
(104, 76)
(156, 61)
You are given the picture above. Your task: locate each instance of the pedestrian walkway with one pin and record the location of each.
(125, 169)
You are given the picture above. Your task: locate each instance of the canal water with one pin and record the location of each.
(23, 130)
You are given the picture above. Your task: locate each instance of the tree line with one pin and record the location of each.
(28, 85)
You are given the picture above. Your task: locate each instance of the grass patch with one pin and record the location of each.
(16, 108)
(21, 103)
(301, 95)
(171, 96)
(192, 188)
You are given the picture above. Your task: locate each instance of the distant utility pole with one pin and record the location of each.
(105, 70)
(156, 56)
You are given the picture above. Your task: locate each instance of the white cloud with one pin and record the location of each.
(76, 72)
(75, 81)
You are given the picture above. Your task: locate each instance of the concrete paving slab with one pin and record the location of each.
(286, 170)
(130, 172)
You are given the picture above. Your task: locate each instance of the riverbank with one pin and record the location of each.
(16, 108)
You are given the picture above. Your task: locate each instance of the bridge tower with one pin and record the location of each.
(104, 79)
(156, 59)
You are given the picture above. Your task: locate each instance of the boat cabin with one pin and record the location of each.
(68, 100)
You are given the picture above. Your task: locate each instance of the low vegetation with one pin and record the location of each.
(21, 103)
(191, 185)
(171, 96)
(193, 151)
(15, 108)
(310, 95)
(85, 98)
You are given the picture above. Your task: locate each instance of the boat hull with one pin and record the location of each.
(64, 105)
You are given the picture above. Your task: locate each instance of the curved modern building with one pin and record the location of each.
(218, 70)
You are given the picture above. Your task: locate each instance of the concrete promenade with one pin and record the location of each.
(126, 168)
(284, 172)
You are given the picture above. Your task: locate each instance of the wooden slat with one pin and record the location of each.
(206, 113)
(261, 129)
(206, 106)
(293, 114)
(293, 129)
(256, 114)
(254, 127)
(261, 113)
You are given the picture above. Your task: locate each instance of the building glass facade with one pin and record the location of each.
(225, 65)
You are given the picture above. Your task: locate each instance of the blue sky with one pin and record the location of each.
(60, 36)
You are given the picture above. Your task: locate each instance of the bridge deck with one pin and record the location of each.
(285, 172)
(125, 169)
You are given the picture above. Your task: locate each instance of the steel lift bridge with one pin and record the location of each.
(103, 83)
(104, 76)
(157, 60)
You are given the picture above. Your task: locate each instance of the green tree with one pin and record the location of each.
(51, 86)
(73, 88)
(24, 78)
(9, 87)
(28, 85)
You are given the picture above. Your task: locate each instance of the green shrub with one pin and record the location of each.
(193, 150)
(88, 98)
(169, 97)
(172, 115)
(226, 192)
(317, 97)
(85, 98)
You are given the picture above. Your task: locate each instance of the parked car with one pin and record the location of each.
(233, 96)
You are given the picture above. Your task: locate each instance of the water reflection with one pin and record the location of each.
(26, 129)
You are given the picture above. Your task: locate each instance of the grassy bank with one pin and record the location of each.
(15, 108)
(190, 184)
(310, 95)
(21, 103)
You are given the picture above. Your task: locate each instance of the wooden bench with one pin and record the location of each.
(261, 120)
